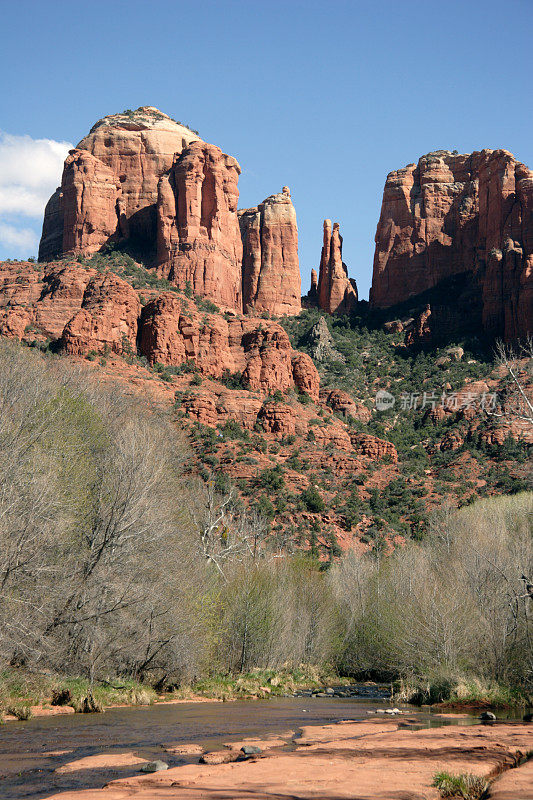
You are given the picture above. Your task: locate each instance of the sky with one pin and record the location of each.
(326, 98)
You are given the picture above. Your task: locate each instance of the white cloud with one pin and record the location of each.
(20, 239)
(30, 170)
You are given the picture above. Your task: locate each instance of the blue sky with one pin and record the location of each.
(324, 97)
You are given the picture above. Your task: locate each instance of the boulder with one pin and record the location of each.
(154, 766)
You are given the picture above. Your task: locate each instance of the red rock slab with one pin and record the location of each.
(263, 744)
(515, 784)
(184, 749)
(356, 761)
(101, 761)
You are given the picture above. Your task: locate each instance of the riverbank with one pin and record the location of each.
(369, 760)
(24, 695)
(463, 693)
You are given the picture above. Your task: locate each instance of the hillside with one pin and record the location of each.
(281, 413)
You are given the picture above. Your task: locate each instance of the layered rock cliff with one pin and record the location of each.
(460, 216)
(136, 147)
(270, 270)
(198, 237)
(336, 292)
(142, 180)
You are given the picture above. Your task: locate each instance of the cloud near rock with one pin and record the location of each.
(30, 170)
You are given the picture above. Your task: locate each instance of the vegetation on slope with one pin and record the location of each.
(117, 565)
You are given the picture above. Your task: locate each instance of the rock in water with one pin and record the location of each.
(154, 766)
(251, 750)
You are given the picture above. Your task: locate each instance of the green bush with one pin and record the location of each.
(313, 500)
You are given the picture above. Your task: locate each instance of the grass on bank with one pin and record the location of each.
(20, 689)
(457, 692)
(260, 683)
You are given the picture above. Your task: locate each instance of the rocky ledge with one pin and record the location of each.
(375, 760)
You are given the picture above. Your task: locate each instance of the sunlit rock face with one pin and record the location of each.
(336, 292)
(455, 215)
(271, 270)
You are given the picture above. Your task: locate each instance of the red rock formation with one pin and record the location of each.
(20, 287)
(140, 179)
(277, 418)
(172, 331)
(90, 195)
(313, 292)
(336, 292)
(452, 215)
(201, 406)
(269, 358)
(198, 238)
(374, 448)
(306, 377)
(421, 329)
(270, 269)
(136, 147)
(42, 301)
(107, 319)
(62, 294)
(342, 403)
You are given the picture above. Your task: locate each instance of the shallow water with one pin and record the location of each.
(27, 767)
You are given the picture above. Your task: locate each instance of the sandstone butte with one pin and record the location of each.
(370, 760)
(467, 217)
(143, 180)
(271, 271)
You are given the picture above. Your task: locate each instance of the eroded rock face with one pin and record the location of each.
(306, 377)
(277, 418)
(143, 181)
(336, 292)
(344, 404)
(456, 215)
(198, 238)
(270, 268)
(373, 447)
(107, 319)
(90, 199)
(41, 301)
(131, 150)
(172, 332)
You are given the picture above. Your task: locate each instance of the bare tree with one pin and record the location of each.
(511, 360)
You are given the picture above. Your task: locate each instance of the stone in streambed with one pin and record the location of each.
(154, 766)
